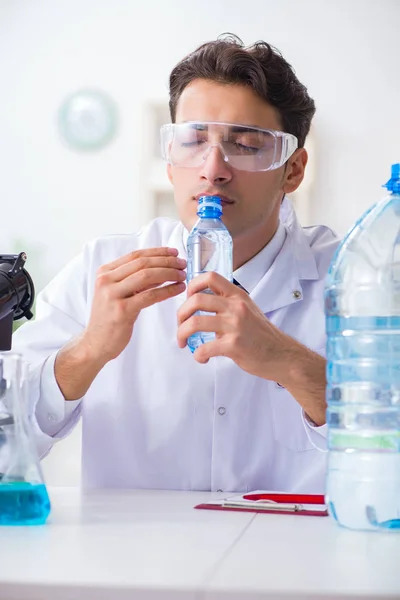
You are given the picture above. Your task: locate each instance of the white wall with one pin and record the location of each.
(53, 199)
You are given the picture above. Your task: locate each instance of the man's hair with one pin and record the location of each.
(260, 66)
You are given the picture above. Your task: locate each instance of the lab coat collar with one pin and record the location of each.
(281, 284)
(305, 261)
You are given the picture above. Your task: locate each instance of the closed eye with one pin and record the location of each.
(246, 149)
(191, 144)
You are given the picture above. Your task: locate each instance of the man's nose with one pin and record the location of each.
(215, 166)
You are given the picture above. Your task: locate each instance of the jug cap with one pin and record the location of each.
(393, 185)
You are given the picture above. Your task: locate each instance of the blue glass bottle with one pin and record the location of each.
(362, 306)
(209, 248)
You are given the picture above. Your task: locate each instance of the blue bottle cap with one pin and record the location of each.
(210, 202)
(393, 185)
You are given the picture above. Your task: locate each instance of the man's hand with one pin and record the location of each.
(123, 288)
(244, 334)
(126, 286)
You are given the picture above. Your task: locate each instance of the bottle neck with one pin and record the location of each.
(209, 212)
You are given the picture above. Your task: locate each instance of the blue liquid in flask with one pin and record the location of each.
(23, 503)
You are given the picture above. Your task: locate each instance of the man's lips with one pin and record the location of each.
(224, 199)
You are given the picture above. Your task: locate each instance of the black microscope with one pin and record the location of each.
(17, 294)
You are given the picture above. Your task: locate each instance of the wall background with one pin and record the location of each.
(53, 199)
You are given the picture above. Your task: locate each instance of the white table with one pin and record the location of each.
(154, 546)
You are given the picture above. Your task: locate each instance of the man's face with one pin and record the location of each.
(251, 200)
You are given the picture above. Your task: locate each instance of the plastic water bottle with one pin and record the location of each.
(362, 305)
(209, 248)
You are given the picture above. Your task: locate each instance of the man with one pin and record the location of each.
(247, 410)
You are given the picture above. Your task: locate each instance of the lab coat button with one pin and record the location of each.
(222, 410)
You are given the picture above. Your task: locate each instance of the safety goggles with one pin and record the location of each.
(244, 148)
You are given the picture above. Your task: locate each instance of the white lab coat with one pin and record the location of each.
(154, 417)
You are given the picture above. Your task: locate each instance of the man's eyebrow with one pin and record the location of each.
(234, 128)
(200, 126)
(244, 129)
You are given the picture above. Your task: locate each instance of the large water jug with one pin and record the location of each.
(362, 305)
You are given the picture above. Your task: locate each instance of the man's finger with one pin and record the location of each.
(198, 323)
(154, 295)
(217, 347)
(201, 301)
(145, 262)
(163, 251)
(215, 282)
(146, 279)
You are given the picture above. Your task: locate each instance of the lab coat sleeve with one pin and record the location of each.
(61, 314)
(316, 434)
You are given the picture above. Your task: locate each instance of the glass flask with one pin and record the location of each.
(23, 495)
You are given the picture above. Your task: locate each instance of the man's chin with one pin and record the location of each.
(231, 225)
(188, 222)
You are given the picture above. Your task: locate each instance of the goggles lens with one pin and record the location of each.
(245, 148)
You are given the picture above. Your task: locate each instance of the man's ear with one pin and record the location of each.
(169, 173)
(294, 173)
